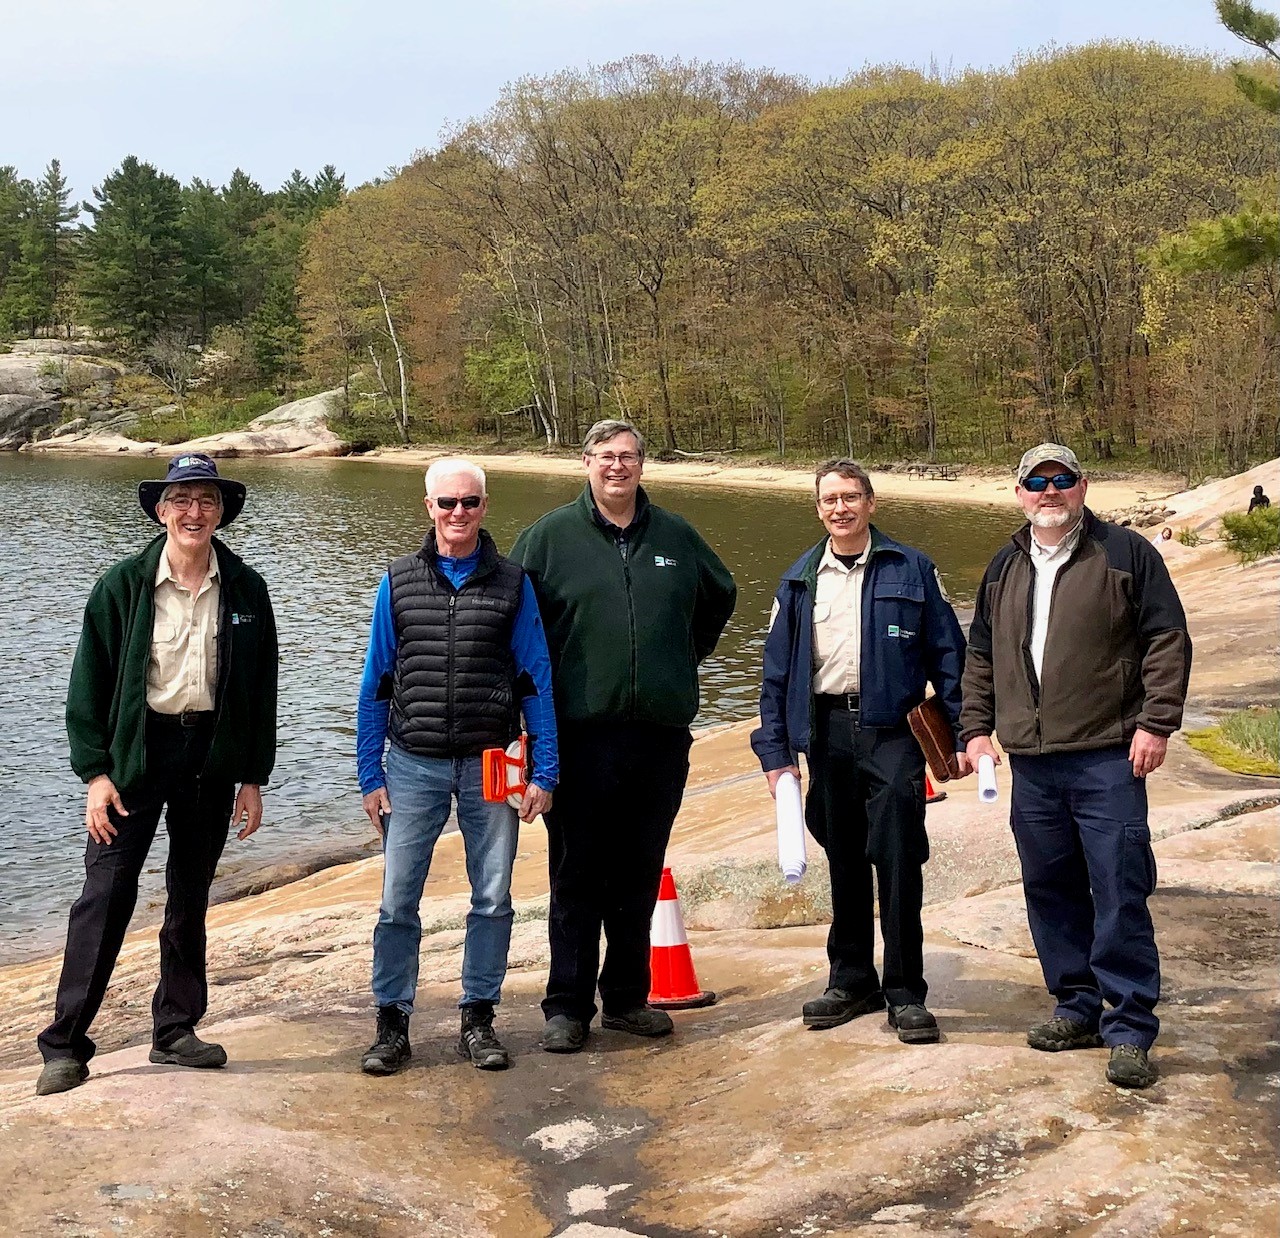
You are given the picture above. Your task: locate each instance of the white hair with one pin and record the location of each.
(450, 466)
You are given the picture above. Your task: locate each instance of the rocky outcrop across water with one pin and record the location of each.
(299, 429)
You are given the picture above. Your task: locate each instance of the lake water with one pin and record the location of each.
(322, 533)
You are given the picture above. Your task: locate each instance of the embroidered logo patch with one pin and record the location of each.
(901, 633)
(663, 561)
(239, 619)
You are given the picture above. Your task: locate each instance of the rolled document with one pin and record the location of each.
(987, 792)
(791, 851)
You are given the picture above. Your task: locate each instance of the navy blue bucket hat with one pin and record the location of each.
(194, 467)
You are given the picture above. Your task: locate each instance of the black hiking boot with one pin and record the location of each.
(642, 1021)
(189, 1050)
(1130, 1067)
(61, 1075)
(478, 1041)
(390, 1051)
(563, 1034)
(914, 1024)
(1060, 1033)
(836, 1006)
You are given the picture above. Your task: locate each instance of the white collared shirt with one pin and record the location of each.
(837, 622)
(1047, 561)
(183, 667)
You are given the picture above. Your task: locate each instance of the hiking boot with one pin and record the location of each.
(61, 1075)
(914, 1024)
(1061, 1033)
(390, 1051)
(477, 1040)
(1129, 1067)
(836, 1006)
(563, 1034)
(642, 1021)
(189, 1050)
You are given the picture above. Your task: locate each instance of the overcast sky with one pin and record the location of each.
(269, 85)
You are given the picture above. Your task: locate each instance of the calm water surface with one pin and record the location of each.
(322, 533)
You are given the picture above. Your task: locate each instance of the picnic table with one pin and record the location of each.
(934, 472)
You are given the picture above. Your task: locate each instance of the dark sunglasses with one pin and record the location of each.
(448, 502)
(1061, 481)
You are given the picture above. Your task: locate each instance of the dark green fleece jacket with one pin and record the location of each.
(625, 634)
(107, 696)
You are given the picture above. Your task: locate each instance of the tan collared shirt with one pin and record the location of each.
(183, 668)
(1047, 561)
(837, 623)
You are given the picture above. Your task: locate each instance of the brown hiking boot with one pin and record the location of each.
(1061, 1033)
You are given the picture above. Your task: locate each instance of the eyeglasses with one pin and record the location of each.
(205, 502)
(851, 499)
(447, 502)
(609, 458)
(1061, 481)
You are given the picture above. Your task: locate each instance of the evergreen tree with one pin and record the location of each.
(14, 196)
(46, 266)
(1251, 237)
(133, 280)
(208, 259)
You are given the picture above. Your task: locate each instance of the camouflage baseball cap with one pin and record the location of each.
(1047, 453)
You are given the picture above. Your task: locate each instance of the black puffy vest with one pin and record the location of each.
(454, 691)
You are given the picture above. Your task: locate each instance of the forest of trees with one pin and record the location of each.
(896, 266)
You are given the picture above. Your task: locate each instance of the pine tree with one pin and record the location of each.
(133, 279)
(46, 266)
(208, 246)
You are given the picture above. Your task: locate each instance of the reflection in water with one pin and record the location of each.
(322, 533)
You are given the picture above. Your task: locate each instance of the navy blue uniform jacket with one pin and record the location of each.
(910, 635)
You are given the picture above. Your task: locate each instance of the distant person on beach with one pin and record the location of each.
(172, 703)
(456, 653)
(1079, 658)
(860, 624)
(1258, 499)
(634, 600)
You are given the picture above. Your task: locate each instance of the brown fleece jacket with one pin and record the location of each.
(1117, 656)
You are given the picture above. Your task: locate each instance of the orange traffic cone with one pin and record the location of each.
(674, 984)
(931, 793)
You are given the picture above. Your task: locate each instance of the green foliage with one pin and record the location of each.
(1253, 535)
(132, 275)
(204, 415)
(497, 375)
(1187, 536)
(1245, 742)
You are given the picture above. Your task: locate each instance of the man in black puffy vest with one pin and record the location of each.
(456, 652)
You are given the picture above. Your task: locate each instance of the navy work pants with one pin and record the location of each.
(1080, 823)
(620, 789)
(866, 807)
(198, 818)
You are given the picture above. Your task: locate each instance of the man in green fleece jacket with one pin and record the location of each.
(632, 600)
(172, 703)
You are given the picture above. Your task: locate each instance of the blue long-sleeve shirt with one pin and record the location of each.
(528, 647)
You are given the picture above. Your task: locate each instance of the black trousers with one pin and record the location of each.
(198, 817)
(866, 807)
(620, 789)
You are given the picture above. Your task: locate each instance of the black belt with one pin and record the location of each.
(848, 701)
(188, 717)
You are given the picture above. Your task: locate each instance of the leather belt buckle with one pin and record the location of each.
(192, 717)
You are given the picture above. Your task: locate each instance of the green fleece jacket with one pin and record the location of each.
(107, 696)
(626, 635)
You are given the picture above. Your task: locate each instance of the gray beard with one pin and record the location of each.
(1052, 519)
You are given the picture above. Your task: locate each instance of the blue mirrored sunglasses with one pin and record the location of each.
(1061, 481)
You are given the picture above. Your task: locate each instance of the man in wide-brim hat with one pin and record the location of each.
(171, 707)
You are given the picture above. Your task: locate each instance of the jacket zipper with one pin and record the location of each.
(631, 631)
(223, 647)
(453, 602)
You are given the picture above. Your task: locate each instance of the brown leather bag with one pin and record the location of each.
(932, 728)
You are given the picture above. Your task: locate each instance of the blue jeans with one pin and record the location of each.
(420, 790)
(1080, 822)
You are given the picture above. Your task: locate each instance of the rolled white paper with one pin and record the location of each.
(987, 792)
(791, 848)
